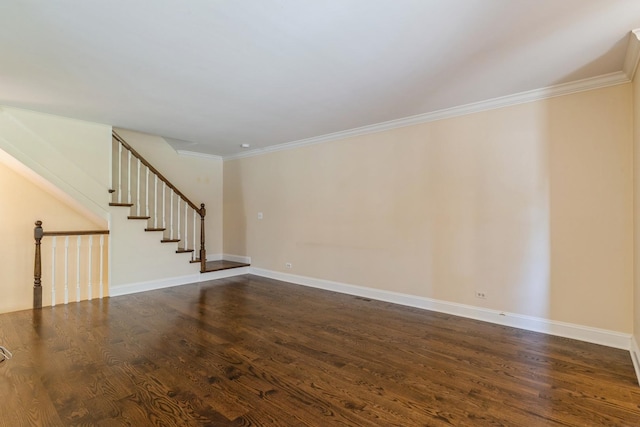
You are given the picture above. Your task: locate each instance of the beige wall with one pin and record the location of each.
(531, 204)
(23, 202)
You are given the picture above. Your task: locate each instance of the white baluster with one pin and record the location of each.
(155, 201)
(66, 270)
(119, 172)
(164, 212)
(138, 191)
(129, 178)
(186, 226)
(53, 271)
(89, 285)
(171, 216)
(178, 211)
(78, 269)
(146, 194)
(101, 263)
(193, 254)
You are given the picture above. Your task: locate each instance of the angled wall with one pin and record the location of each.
(73, 155)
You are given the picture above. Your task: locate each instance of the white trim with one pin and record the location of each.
(536, 324)
(633, 55)
(605, 80)
(187, 153)
(229, 257)
(132, 288)
(237, 258)
(151, 285)
(635, 357)
(214, 257)
(107, 286)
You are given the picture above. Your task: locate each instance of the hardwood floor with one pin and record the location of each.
(249, 351)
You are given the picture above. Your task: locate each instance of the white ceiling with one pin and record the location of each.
(220, 73)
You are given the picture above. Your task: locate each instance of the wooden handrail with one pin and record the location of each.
(158, 174)
(75, 233)
(38, 234)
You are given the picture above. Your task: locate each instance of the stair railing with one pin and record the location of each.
(153, 197)
(89, 266)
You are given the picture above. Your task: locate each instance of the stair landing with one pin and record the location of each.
(223, 265)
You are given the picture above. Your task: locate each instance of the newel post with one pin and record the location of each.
(203, 251)
(37, 267)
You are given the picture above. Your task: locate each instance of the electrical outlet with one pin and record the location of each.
(288, 265)
(260, 216)
(481, 295)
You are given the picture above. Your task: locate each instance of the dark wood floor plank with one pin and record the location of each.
(249, 351)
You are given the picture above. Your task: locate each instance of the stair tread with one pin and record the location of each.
(223, 265)
(170, 240)
(154, 229)
(183, 250)
(121, 204)
(138, 217)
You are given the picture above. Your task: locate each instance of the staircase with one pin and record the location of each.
(76, 264)
(152, 198)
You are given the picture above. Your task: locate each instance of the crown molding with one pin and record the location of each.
(633, 55)
(187, 153)
(606, 80)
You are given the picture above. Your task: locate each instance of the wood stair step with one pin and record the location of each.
(183, 250)
(121, 204)
(223, 265)
(138, 217)
(154, 229)
(169, 240)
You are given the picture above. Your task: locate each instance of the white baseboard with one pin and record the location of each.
(635, 357)
(229, 257)
(151, 285)
(536, 324)
(237, 258)
(132, 288)
(214, 257)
